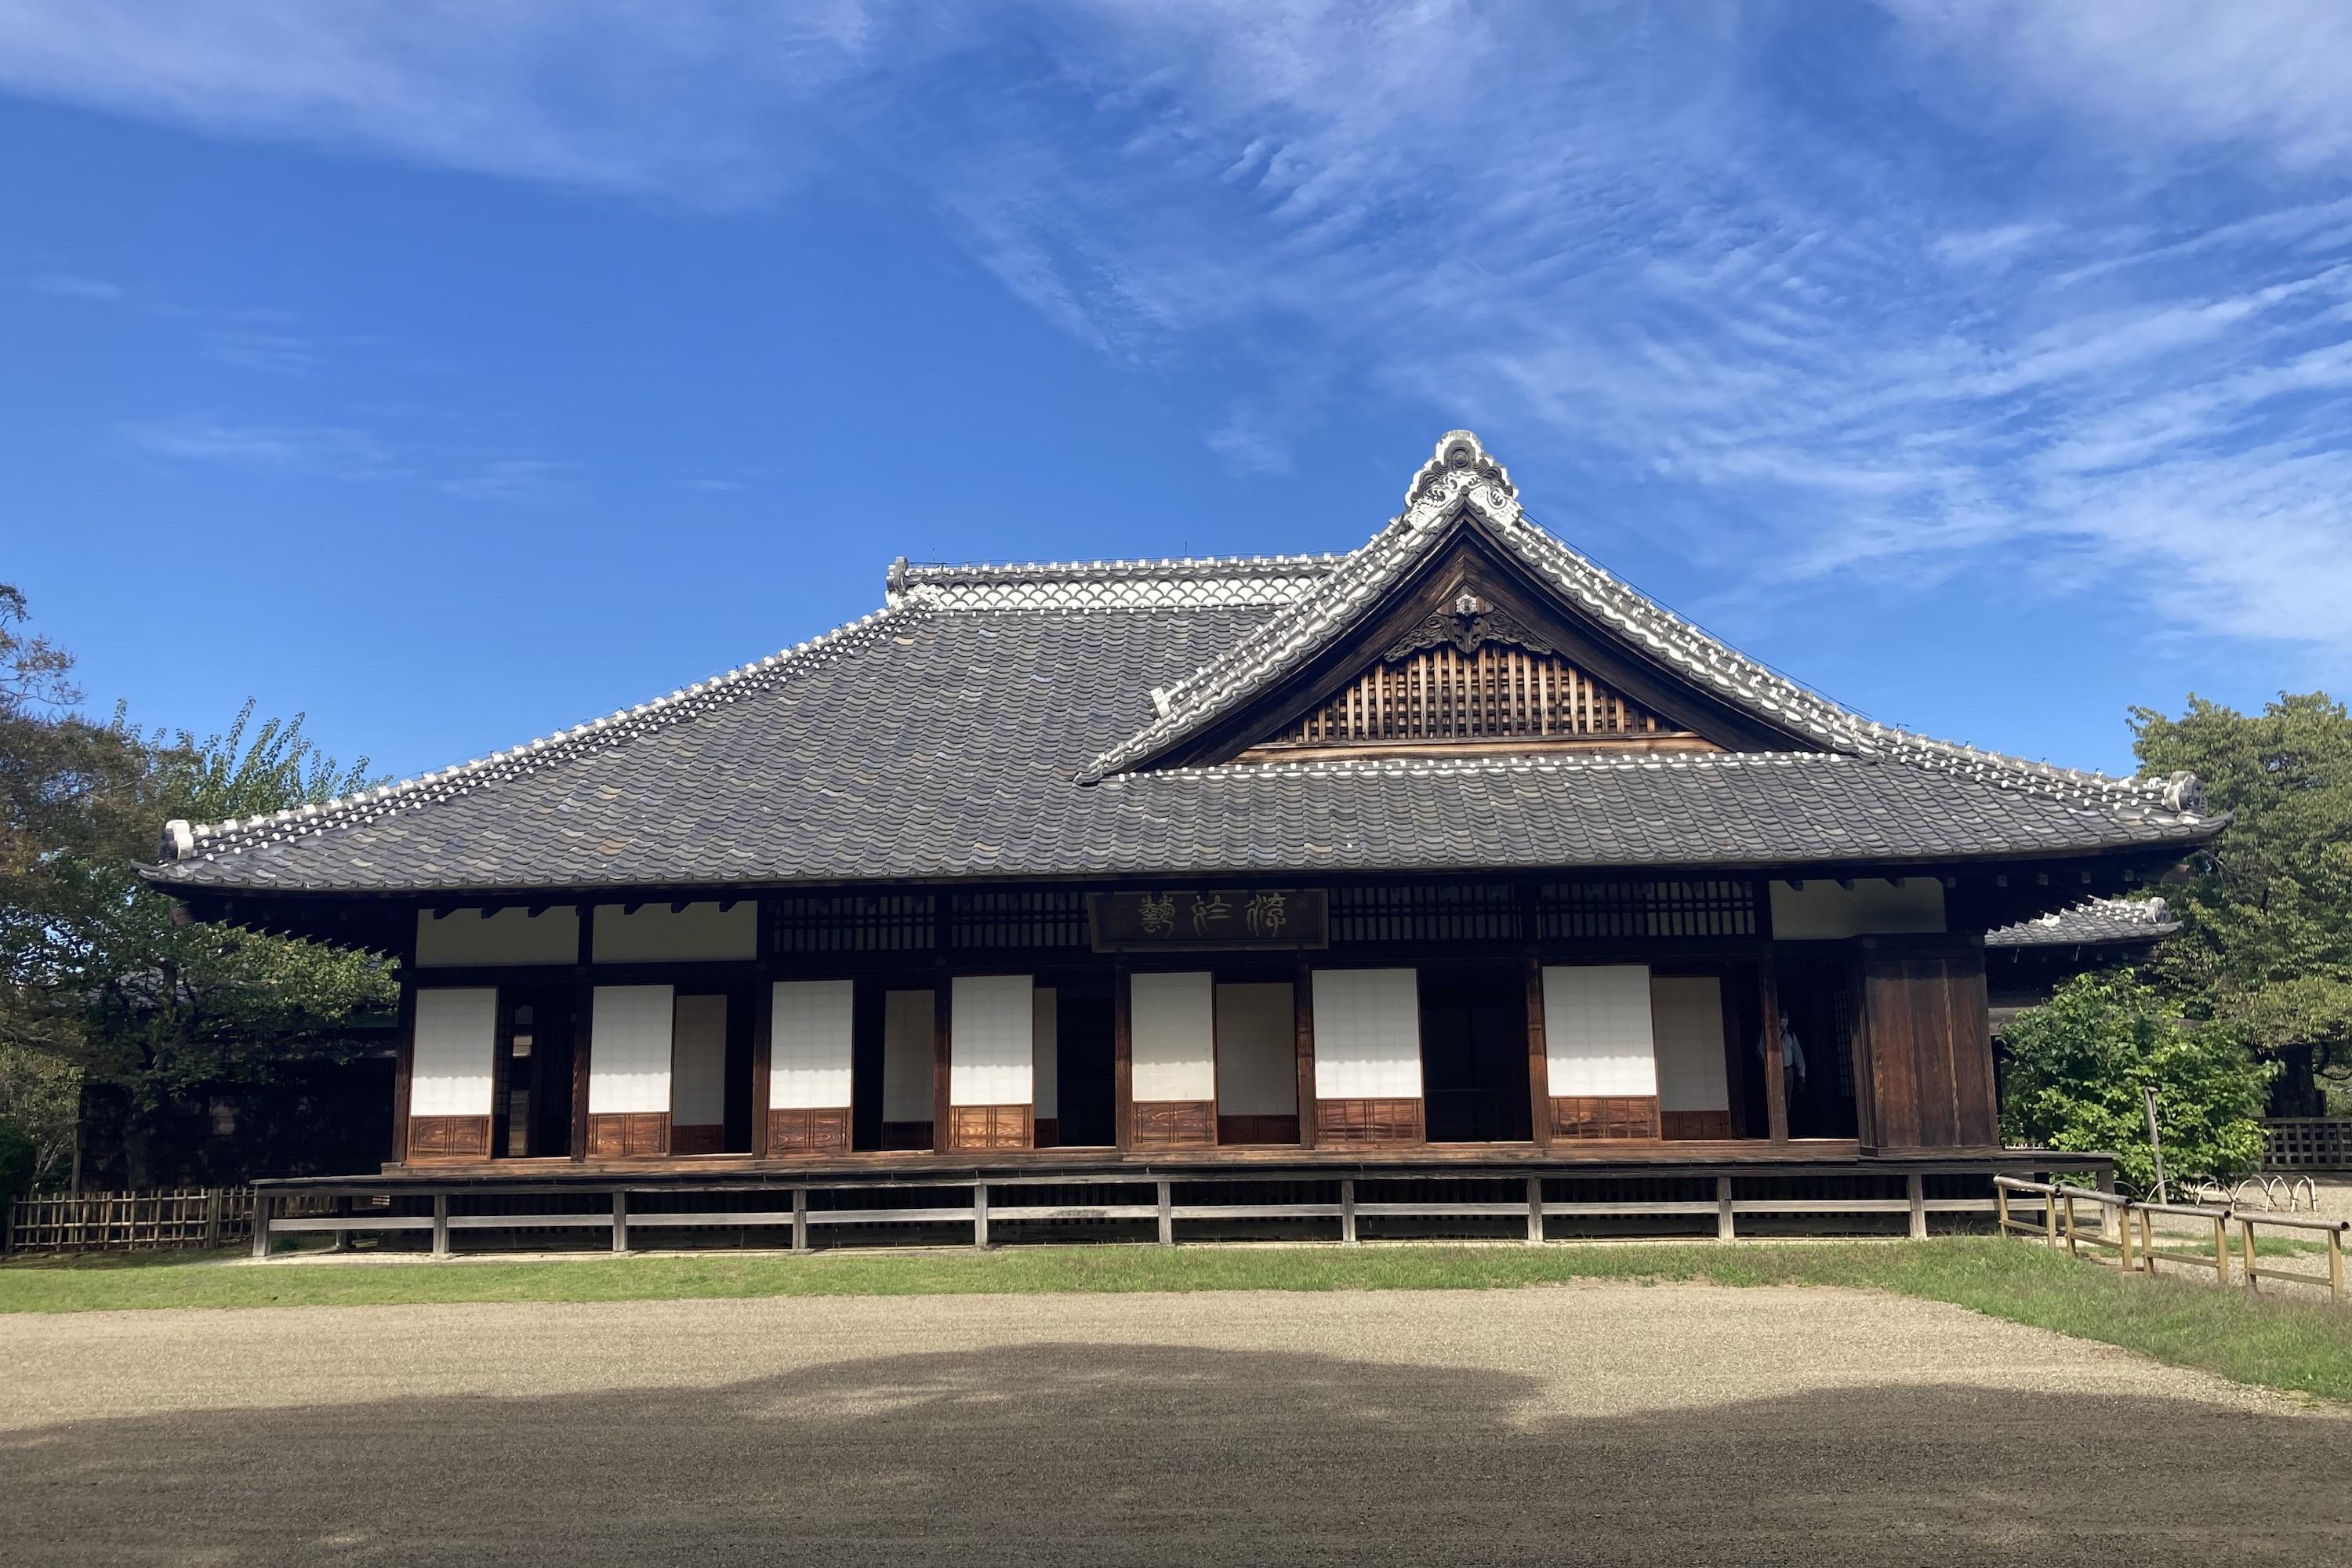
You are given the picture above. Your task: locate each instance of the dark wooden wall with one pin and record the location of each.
(1927, 1054)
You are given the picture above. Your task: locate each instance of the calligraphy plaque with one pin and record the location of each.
(1188, 918)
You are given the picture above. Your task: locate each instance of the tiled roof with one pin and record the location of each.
(2088, 924)
(953, 733)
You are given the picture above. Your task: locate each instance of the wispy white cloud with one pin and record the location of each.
(331, 451)
(2076, 294)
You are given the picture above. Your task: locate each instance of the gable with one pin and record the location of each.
(1471, 653)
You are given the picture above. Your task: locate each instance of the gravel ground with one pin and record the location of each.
(1615, 1423)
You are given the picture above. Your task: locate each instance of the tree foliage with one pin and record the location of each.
(2079, 1067)
(2266, 944)
(97, 970)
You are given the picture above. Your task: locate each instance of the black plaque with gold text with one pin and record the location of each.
(1190, 918)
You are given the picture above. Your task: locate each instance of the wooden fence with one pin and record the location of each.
(129, 1222)
(2055, 1216)
(2307, 1143)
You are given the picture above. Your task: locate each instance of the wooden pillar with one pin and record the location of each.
(763, 1029)
(1122, 1059)
(942, 1061)
(440, 1225)
(1726, 1223)
(1534, 1211)
(1775, 1078)
(1302, 1007)
(1347, 1212)
(404, 1072)
(1167, 1214)
(261, 1224)
(979, 1214)
(800, 1219)
(583, 1009)
(1539, 1060)
(620, 1219)
(1915, 1188)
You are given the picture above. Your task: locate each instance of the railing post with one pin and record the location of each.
(1727, 1225)
(800, 1219)
(2049, 1218)
(980, 1214)
(2124, 1236)
(342, 1242)
(2221, 1248)
(2335, 1265)
(1915, 1187)
(212, 1216)
(1167, 1214)
(2253, 1277)
(2000, 1208)
(260, 1225)
(1534, 1211)
(440, 1225)
(620, 1219)
(1348, 1211)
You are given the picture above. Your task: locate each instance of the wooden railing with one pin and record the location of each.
(2060, 1209)
(2307, 1143)
(135, 1221)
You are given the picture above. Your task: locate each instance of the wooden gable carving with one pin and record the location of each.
(1476, 656)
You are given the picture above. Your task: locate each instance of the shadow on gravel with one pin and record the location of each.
(1084, 1453)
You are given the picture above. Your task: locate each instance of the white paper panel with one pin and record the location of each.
(1597, 1037)
(809, 1044)
(906, 1030)
(990, 1022)
(1045, 1057)
(697, 1058)
(1686, 1016)
(457, 1036)
(1258, 1050)
(628, 1050)
(654, 933)
(1367, 1034)
(1172, 1035)
(464, 937)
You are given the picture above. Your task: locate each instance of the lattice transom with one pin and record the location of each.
(1492, 691)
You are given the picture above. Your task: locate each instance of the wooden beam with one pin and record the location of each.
(1776, 1078)
(584, 1008)
(1302, 1012)
(1539, 1060)
(404, 1072)
(1122, 1057)
(942, 1061)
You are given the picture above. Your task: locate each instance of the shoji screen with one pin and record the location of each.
(1367, 1034)
(810, 1038)
(1694, 1089)
(1597, 1035)
(907, 1025)
(628, 1050)
(457, 1038)
(1258, 1050)
(1173, 1036)
(991, 1022)
(697, 1091)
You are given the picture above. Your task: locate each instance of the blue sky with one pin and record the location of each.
(455, 373)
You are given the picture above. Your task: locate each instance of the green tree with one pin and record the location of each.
(2266, 944)
(98, 971)
(2080, 1065)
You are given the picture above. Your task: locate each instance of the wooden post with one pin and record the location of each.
(1348, 1211)
(1538, 1058)
(800, 1219)
(440, 1225)
(942, 1062)
(1122, 1059)
(2335, 1265)
(2124, 1236)
(2252, 1277)
(1167, 1214)
(583, 1011)
(980, 1214)
(2071, 1249)
(342, 1239)
(214, 1197)
(620, 1219)
(2220, 1249)
(2049, 1218)
(261, 1224)
(1302, 1007)
(763, 1030)
(1726, 1226)
(1915, 1187)
(1534, 1211)
(1776, 1076)
(1999, 1209)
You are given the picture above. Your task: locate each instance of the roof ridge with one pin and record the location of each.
(184, 840)
(905, 573)
(1462, 478)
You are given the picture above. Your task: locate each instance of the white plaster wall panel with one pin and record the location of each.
(991, 1021)
(1686, 1025)
(906, 1030)
(628, 1048)
(698, 1091)
(455, 1042)
(464, 937)
(1873, 906)
(654, 933)
(1597, 1032)
(1172, 1036)
(1258, 1050)
(1046, 1055)
(1367, 1034)
(810, 1039)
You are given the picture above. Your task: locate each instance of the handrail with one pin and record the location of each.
(2058, 1225)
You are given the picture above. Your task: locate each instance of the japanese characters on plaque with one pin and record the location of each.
(1208, 917)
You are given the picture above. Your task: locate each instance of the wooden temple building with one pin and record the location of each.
(1451, 854)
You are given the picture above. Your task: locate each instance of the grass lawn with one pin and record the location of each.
(2277, 1344)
